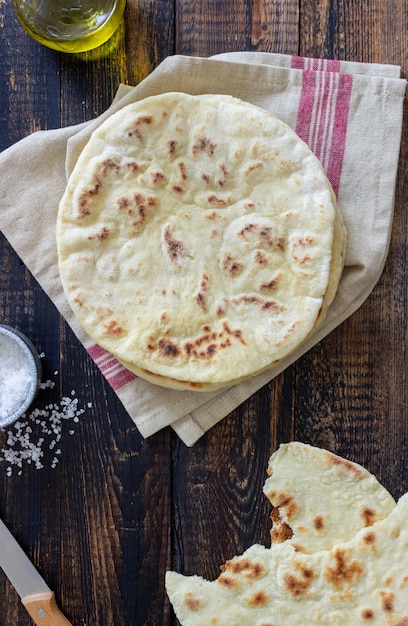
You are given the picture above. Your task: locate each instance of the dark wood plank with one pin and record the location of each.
(204, 28)
(275, 26)
(219, 483)
(150, 37)
(28, 83)
(352, 387)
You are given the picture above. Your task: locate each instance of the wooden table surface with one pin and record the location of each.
(104, 523)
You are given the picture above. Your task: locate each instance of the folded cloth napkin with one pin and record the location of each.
(350, 114)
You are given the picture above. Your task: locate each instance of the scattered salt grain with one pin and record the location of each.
(33, 434)
(48, 384)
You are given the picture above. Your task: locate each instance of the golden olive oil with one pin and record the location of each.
(70, 25)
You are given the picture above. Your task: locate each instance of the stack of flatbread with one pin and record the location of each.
(199, 240)
(339, 553)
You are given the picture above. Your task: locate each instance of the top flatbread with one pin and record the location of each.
(199, 240)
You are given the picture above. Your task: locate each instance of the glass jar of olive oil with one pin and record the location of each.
(70, 25)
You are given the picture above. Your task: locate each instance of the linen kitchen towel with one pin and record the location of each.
(350, 114)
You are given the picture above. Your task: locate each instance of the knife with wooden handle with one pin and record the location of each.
(34, 592)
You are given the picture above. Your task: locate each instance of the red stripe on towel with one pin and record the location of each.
(323, 112)
(338, 143)
(115, 373)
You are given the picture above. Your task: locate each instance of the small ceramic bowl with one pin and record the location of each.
(20, 374)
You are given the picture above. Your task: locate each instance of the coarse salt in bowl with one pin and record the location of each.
(20, 374)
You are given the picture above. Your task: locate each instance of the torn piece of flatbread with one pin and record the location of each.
(360, 582)
(320, 498)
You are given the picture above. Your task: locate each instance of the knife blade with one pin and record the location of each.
(34, 592)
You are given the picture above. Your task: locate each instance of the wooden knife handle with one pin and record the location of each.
(43, 610)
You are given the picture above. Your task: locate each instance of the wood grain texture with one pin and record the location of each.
(204, 28)
(103, 526)
(275, 26)
(219, 482)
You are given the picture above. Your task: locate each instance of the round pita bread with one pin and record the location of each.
(199, 240)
